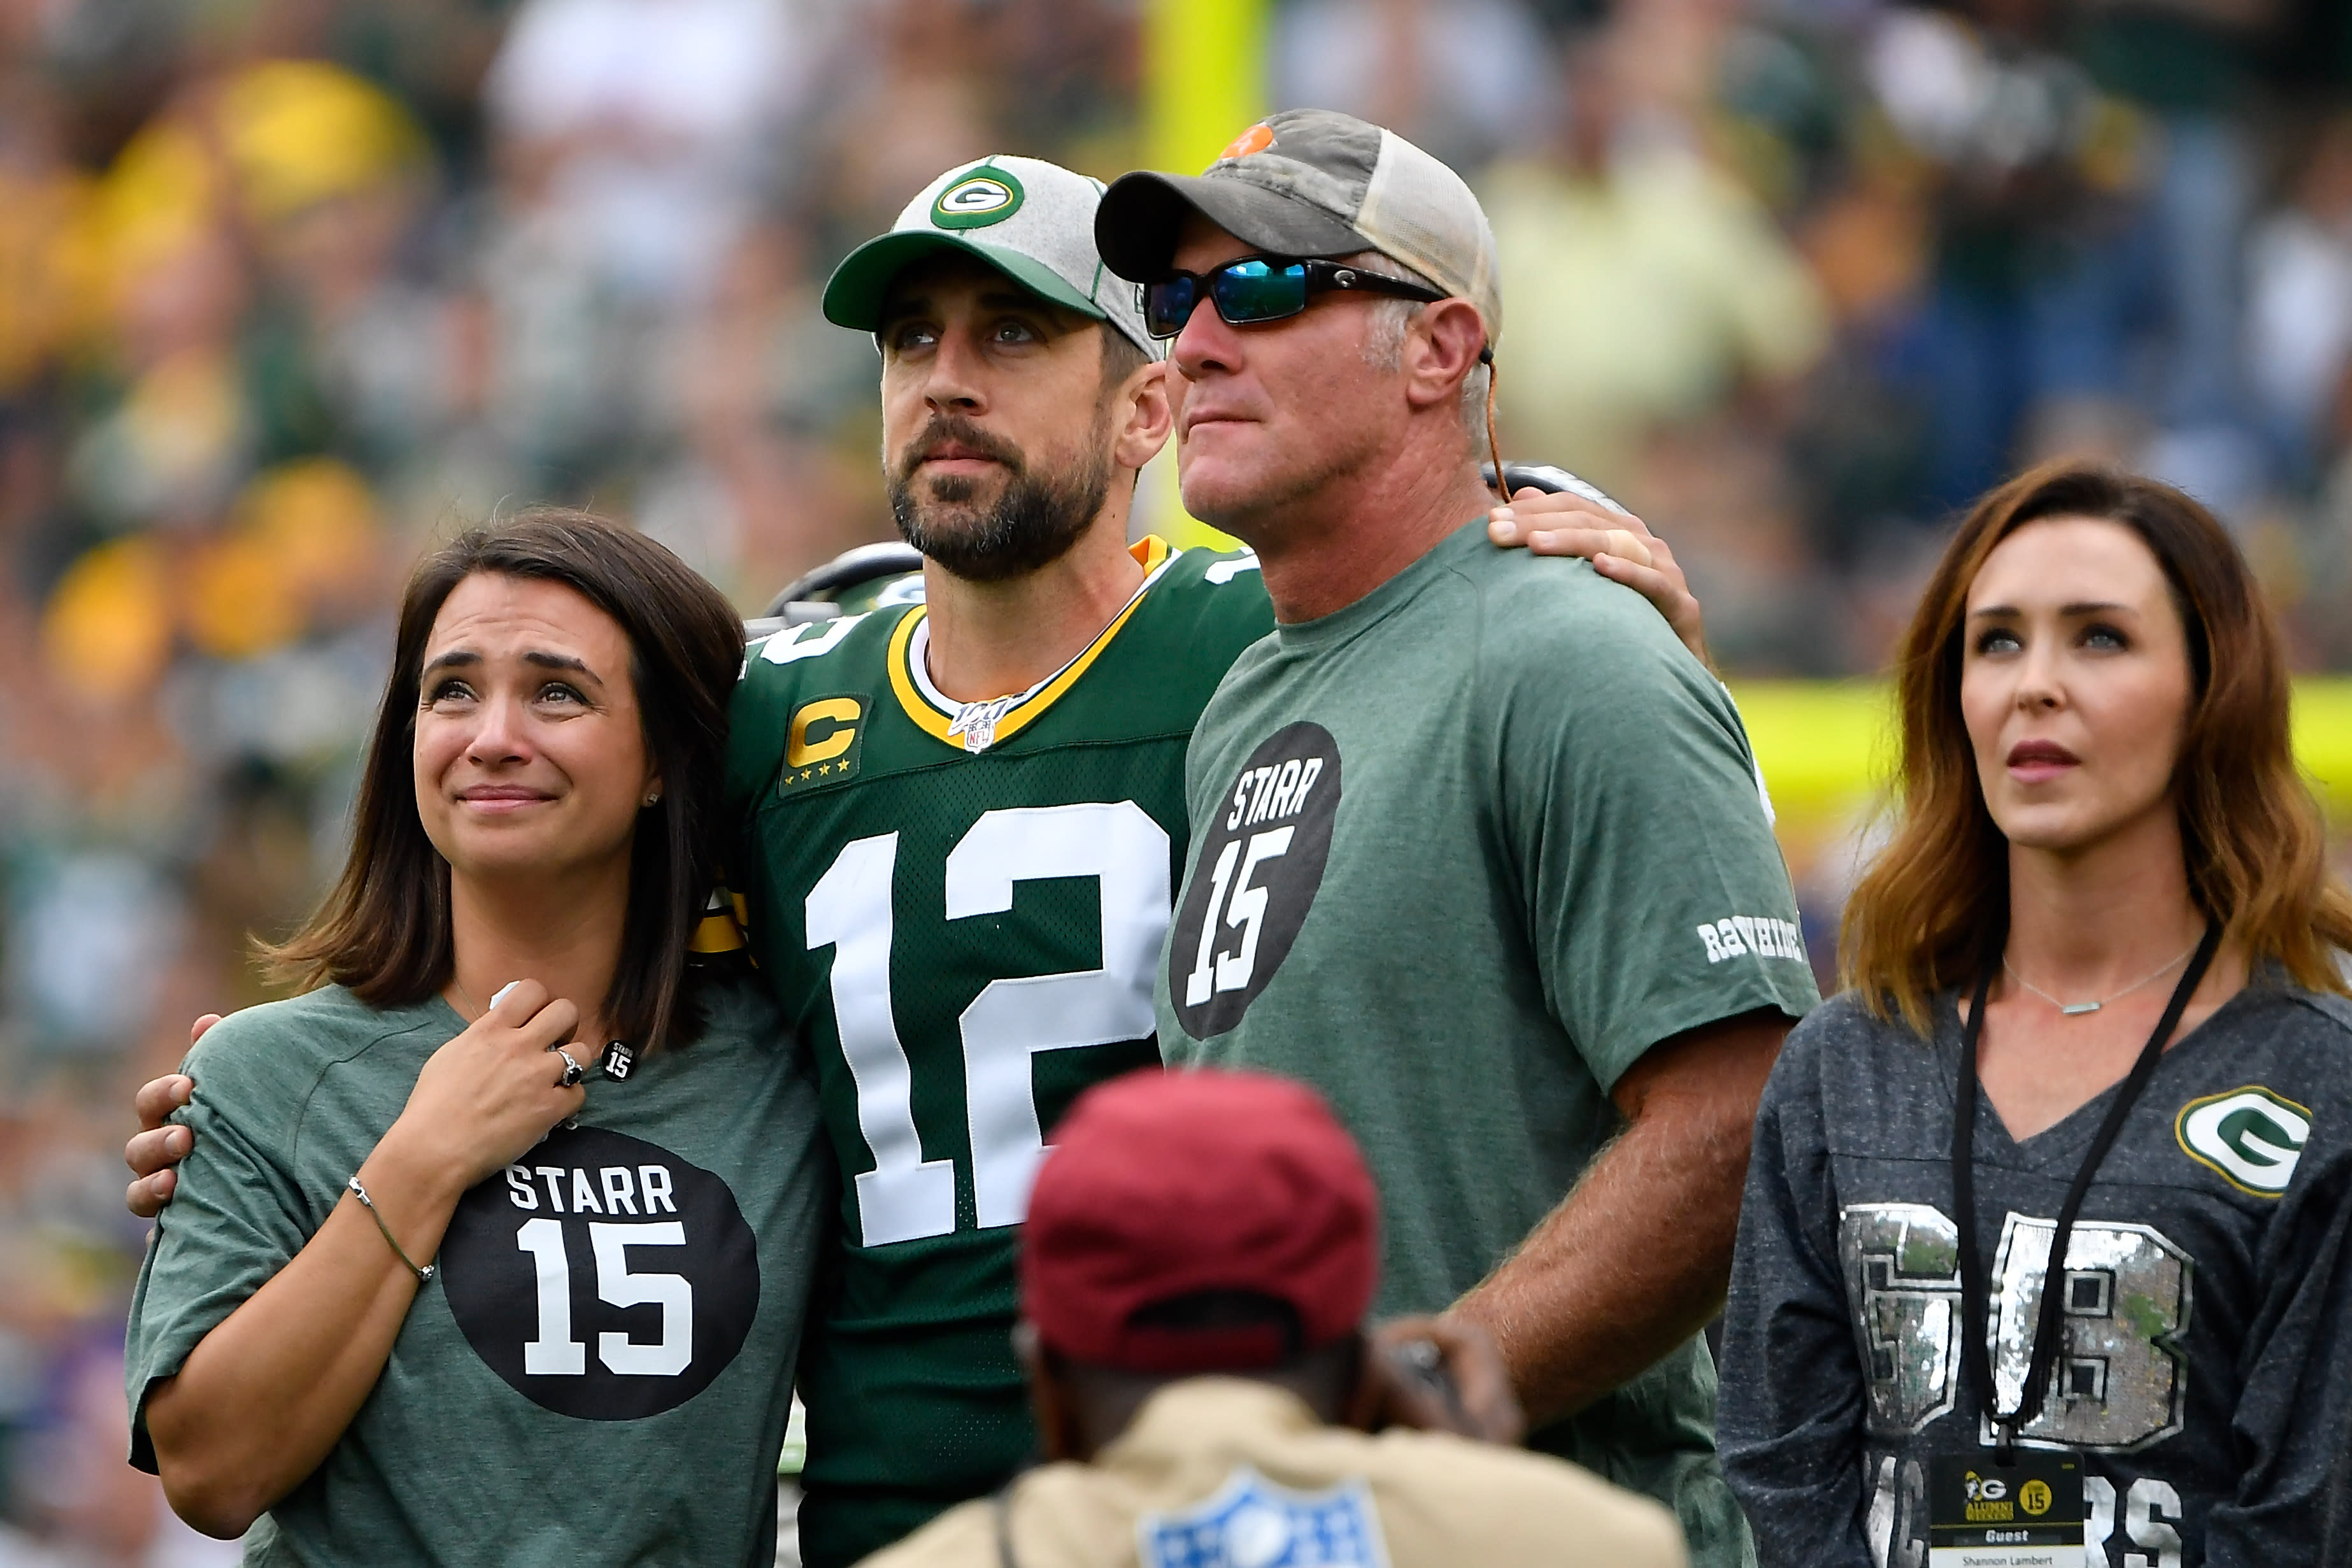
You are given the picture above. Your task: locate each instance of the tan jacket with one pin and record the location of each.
(1225, 1472)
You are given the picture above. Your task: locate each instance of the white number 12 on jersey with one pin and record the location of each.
(906, 1196)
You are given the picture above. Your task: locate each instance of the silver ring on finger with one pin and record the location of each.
(572, 1071)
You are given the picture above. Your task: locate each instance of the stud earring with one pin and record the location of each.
(653, 797)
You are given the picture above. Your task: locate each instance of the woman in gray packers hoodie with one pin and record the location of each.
(2094, 1007)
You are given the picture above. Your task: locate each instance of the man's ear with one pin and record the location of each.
(1049, 1401)
(1151, 415)
(1440, 349)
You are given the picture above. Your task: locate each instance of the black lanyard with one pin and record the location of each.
(1975, 1323)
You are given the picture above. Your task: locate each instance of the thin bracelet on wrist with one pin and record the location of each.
(425, 1274)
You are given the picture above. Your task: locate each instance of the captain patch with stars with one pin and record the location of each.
(601, 1276)
(1256, 876)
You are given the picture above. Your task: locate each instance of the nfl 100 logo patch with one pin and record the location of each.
(1250, 1523)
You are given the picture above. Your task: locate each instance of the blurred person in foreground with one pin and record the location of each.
(2104, 932)
(508, 1220)
(1548, 1022)
(958, 818)
(1201, 1251)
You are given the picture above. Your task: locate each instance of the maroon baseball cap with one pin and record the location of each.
(1167, 1186)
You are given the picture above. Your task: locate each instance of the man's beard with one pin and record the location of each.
(1032, 523)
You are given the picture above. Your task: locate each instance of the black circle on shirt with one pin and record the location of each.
(1260, 864)
(652, 1276)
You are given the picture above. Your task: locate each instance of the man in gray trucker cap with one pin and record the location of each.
(1530, 1020)
(1329, 185)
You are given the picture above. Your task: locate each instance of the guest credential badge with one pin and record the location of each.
(1985, 1514)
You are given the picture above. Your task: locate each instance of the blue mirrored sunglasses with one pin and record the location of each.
(1260, 289)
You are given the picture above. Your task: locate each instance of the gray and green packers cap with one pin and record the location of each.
(1030, 220)
(1314, 182)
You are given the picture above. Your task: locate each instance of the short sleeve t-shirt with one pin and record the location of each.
(601, 1369)
(2199, 1376)
(1462, 852)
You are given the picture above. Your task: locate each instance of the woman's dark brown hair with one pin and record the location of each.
(383, 930)
(1933, 909)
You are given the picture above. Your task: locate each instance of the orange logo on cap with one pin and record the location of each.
(1256, 139)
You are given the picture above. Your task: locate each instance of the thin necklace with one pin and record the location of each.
(468, 998)
(2073, 1009)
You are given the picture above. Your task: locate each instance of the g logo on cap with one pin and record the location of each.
(978, 200)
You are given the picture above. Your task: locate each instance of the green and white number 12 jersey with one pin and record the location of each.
(961, 908)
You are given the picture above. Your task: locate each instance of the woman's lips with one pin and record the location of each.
(2037, 761)
(500, 799)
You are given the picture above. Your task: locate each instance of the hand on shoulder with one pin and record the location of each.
(160, 1144)
(1619, 545)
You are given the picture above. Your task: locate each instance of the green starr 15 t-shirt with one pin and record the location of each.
(601, 1369)
(1462, 852)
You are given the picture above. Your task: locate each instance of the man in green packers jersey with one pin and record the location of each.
(960, 821)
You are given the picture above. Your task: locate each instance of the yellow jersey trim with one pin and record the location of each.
(1151, 552)
(721, 928)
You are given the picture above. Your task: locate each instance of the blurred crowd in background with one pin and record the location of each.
(288, 287)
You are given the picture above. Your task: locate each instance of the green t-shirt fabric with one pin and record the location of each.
(601, 1369)
(1462, 852)
(961, 908)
